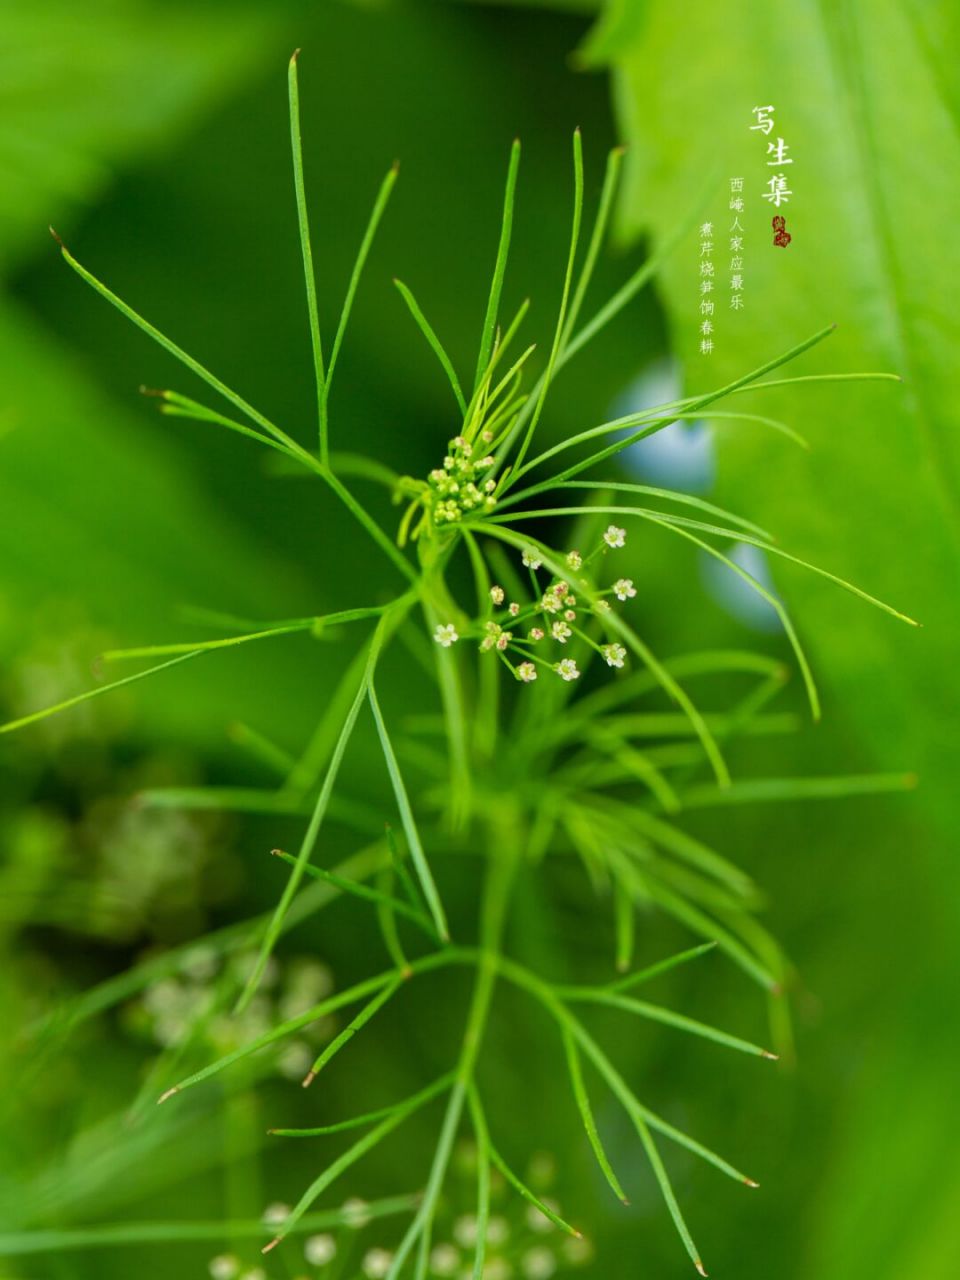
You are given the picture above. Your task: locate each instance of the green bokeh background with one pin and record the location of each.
(153, 136)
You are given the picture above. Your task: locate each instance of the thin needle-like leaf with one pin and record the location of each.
(125, 1234)
(655, 970)
(349, 1157)
(586, 1113)
(178, 406)
(346, 497)
(531, 1198)
(353, 1026)
(500, 267)
(821, 377)
(387, 919)
(414, 843)
(379, 206)
(482, 1136)
(179, 354)
(275, 629)
(414, 896)
(358, 890)
(650, 491)
(309, 275)
(625, 925)
(435, 344)
(691, 404)
(34, 716)
(601, 995)
(316, 821)
(550, 1000)
(760, 790)
(610, 178)
(350, 995)
(561, 318)
(371, 1117)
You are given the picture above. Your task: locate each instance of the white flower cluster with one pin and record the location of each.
(556, 608)
(463, 484)
(173, 1006)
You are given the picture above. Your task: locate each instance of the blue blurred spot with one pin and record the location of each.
(739, 598)
(678, 456)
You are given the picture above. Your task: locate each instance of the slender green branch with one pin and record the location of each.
(561, 318)
(379, 207)
(500, 267)
(358, 890)
(414, 842)
(309, 275)
(423, 324)
(34, 716)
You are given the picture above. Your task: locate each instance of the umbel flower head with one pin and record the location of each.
(553, 617)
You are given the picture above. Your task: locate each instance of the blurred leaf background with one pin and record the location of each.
(154, 138)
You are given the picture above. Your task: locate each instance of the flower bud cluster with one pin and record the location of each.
(462, 485)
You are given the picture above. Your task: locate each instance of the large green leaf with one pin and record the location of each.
(87, 88)
(865, 94)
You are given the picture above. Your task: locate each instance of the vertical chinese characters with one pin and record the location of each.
(735, 245)
(707, 276)
(778, 190)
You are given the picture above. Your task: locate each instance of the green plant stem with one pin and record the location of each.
(309, 276)
(493, 915)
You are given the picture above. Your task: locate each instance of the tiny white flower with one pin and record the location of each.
(567, 669)
(200, 965)
(276, 1213)
(465, 1230)
(542, 1169)
(574, 559)
(550, 603)
(224, 1266)
(570, 601)
(624, 589)
(448, 462)
(356, 1213)
(531, 559)
(444, 1260)
(615, 537)
(295, 1060)
(560, 631)
(487, 462)
(486, 436)
(497, 595)
(536, 633)
(504, 639)
(539, 1263)
(319, 1250)
(498, 1230)
(602, 606)
(514, 609)
(496, 1269)
(489, 486)
(613, 654)
(255, 1273)
(570, 615)
(527, 672)
(493, 633)
(577, 1252)
(376, 1263)
(446, 635)
(458, 442)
